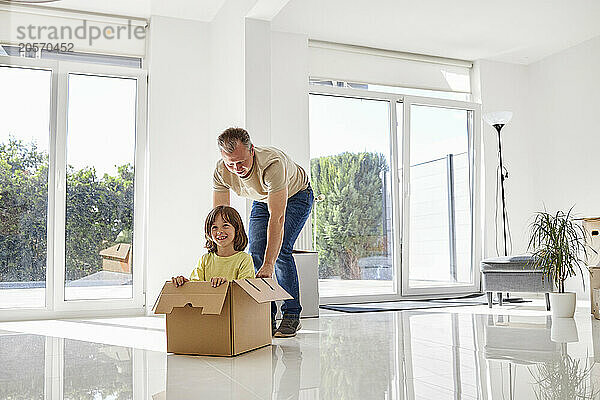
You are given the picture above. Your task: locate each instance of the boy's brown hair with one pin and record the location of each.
(230, 215)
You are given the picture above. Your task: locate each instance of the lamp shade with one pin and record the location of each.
(497, 117)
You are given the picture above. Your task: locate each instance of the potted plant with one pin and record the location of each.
(558, 247)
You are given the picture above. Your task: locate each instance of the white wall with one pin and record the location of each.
(178, 139)
(506, 87)
(227, 61)
(564, 108)
(257, 58)
(227, 66)
(551, 144)
(205, 77)
(289, 106)
(289, 96)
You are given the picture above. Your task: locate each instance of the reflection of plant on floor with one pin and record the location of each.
(22, 367)
(564, 378)
(356, 365)
(97, 371)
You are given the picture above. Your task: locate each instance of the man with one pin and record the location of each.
(282, 203)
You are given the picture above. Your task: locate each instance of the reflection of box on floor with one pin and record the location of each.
(224, 321)
(248, 371)
(117, 258)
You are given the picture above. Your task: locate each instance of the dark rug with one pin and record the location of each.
(403, 305)
(478, 299)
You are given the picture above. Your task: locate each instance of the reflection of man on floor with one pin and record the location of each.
(282, 201)
(288, 386)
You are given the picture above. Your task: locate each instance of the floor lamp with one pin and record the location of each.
(497, 120)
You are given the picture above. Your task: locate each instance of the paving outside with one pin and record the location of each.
(338, 287)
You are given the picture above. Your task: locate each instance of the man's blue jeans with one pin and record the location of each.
(296, 213)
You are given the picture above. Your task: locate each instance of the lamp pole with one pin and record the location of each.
(502, 177)
(497, 120)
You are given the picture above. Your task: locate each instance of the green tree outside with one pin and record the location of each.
(98, 210)
(348, 224)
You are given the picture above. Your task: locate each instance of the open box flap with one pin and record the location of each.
(198, 294)
(263, 289)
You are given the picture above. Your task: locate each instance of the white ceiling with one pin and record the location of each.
(200, 10)
(515, 31)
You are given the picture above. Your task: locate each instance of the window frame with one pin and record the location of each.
(55, 305)
(474, 145)
(400, 195)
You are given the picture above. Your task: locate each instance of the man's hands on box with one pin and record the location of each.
(266, 271)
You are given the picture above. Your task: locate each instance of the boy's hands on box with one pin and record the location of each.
(179, 280)
(217, 281)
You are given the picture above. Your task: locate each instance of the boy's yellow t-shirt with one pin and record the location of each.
(237, 266)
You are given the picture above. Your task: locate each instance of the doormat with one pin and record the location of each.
(393, 306)
(404, 305)
(478, 298)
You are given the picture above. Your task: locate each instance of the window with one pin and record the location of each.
(394, 180)
(72, 165)
(440, 199)
(350, 174)
(24, 164)
(100, 186)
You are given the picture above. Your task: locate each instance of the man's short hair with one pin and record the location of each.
(230, 137)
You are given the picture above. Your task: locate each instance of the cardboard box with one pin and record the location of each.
(224, 321)
(592, 229)
(595, 303)
(594, 284)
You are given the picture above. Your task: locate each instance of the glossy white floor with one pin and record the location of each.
(513, 352)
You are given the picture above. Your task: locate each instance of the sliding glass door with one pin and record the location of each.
(439, 184)
(72, 156)
(395, 179)
(25, 108)
(100, 187)
(351, 176)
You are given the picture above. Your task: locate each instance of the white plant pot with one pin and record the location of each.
(563, 304)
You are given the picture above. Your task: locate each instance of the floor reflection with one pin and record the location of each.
(408, 355)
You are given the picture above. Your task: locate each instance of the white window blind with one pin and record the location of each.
(83, 32)
(383, 67)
